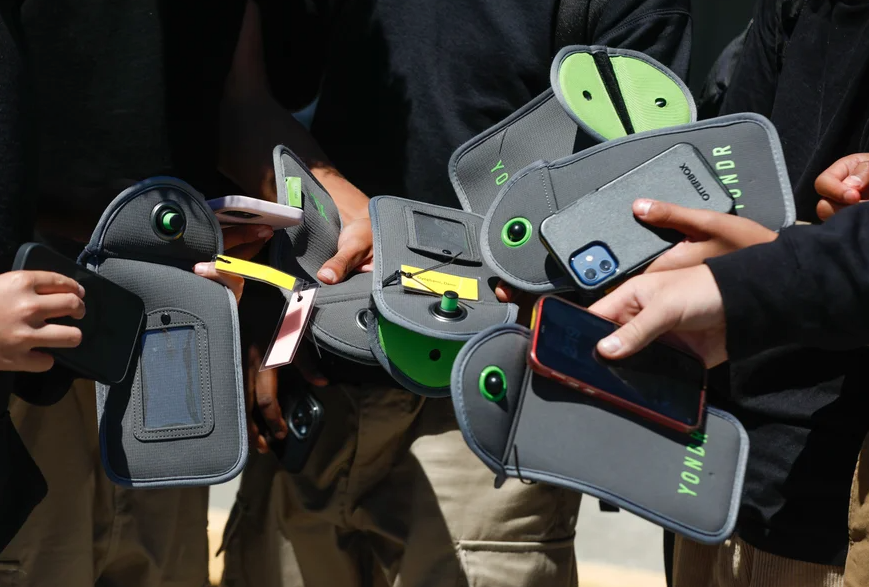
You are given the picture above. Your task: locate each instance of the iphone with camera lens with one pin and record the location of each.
(661, 383)
(598, 241)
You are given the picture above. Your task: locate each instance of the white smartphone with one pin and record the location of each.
(232, 210)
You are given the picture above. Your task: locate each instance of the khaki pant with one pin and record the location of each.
(857, 564)
(392, 496)
(737, 564)
(88, 531)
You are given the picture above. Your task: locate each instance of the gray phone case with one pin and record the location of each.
(179, 417)
(744, 150)
(337, 322)
(542, 431)
(409, 340)
(678, 175)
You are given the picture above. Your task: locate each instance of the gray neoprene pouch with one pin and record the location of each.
(743, 149)
(627, 87)
(598, 241)
(408, 331)
(178, 418)
(337, 322)
(539, 430)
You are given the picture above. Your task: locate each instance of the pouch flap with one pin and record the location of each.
(744, 150)
(436, 230)
(160, 220)
(611, 93)
(301, 251)
(542, 431)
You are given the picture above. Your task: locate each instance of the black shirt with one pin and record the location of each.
(804, 408)
(408, 81)
(125, 90)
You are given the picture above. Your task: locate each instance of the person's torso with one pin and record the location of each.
(124, 90)
(805, 408)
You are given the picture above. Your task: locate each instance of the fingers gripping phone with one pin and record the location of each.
(660, 383)
(598, 241)
(304, 416)
(233, 210)
(114, 317)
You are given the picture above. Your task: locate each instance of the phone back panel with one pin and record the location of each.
(679, 175)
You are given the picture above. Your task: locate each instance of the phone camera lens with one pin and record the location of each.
(590, 274)
(606, 265)
(301, 420)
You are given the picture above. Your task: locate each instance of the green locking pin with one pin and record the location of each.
(171, 222)
(450, 302)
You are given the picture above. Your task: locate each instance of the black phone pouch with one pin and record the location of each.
(178, 418)
(529, 427)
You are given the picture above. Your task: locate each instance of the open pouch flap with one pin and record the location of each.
(405, 332)
(743, 149)
(561, 121)
(337, 322)
(179, 417)
(542, 431)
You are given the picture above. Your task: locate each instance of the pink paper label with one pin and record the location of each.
(290, 330)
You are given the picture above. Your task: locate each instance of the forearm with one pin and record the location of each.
(809, 287)
(252, 123)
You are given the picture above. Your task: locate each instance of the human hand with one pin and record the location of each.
(244, 241)
(30, 298)
(686, 302)
(843, 184)
(506, 294)
(355, 252)
(233, 282)
(710, 234)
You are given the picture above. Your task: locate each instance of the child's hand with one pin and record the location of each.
(29, 299)
(710, 234)
(843, 184)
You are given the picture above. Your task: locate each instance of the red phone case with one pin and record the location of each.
(622, 403)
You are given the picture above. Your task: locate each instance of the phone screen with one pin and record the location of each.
(658, 378)
(111, 325)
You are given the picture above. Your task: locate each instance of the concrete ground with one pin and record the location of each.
(613, 549)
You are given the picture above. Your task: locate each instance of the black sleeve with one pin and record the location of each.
(17, 206)
(809, 287)
(658, 28)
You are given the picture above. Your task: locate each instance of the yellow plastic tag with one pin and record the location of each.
(434, 282)
(255, 271)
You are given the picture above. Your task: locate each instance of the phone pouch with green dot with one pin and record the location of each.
(597, 94)
(431, 292)
(178, 419)
(525, 426)
(743, 150)
(337, 322)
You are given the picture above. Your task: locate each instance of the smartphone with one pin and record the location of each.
(660, 383)
(304, 415)
(598, 241)
(234, 210)
(114, 317)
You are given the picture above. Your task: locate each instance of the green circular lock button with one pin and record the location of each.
(493, 384)
(170, 221)
(450, 302)
(516, 232)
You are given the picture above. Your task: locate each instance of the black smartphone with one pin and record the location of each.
(661, 383)
(114, 317)
(304, 415)
(598, 241)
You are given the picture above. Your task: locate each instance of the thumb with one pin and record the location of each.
(636, 335)
(859, 178)
(335, 269)
(695, 224)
